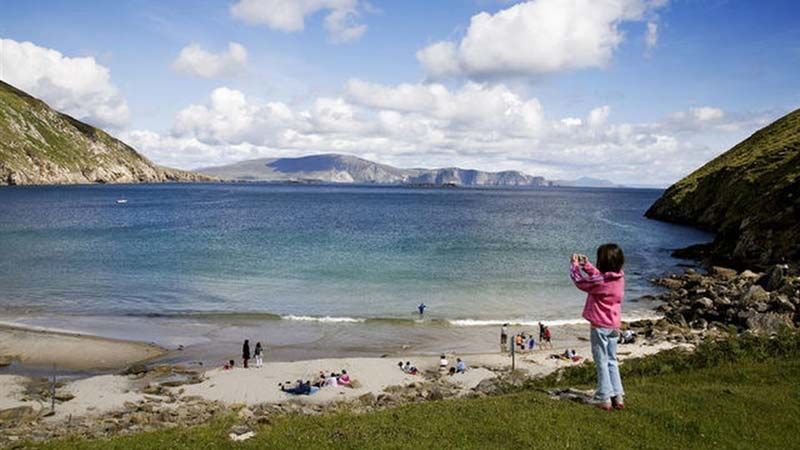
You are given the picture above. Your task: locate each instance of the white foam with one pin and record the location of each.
(531, 322)
(326, 319)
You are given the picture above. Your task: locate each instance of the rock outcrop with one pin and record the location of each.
(39, 145)
(750, 196)
(755, 302)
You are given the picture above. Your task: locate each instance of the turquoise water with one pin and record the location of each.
(337, 253)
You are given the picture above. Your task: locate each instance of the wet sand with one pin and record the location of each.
(33, 349)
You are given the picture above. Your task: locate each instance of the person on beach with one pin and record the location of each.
(541, 332)
(246, 352)
(504, 336)
(257, 353)
(302, 388)
(229, 365)
(461, 366)
(332, 381)
(344, 378)
(421, 308)
(520, 341)
(605, 288)
(547, 338)
(531, 343)
(443, 363)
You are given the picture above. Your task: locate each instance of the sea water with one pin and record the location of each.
(353, 256)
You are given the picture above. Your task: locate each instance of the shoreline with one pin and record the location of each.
(209, 343)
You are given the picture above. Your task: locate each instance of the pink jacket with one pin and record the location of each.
(603, 307)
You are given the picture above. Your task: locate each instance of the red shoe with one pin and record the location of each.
(604, 405)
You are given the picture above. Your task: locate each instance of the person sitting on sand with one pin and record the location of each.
(531, 343)
(344, 378)
(452, 371)
(443, 363)
(302, 388)
(408, 368)
(321, 381)
(229, 365)
(461, 366)
(332, 380)
(628, 337)
(520, 341)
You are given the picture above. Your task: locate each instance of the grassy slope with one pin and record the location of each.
(732, 398)
(757, 182)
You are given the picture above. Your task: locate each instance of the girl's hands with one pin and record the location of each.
(578, 258)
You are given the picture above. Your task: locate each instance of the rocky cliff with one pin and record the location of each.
(333, 168)
(41, 146)
(749, 195)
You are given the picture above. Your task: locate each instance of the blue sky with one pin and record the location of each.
(714, 72)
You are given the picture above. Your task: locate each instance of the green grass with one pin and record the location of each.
(739, 394)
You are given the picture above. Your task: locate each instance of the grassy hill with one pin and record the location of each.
(39, 145)
(740, 393)
(749, 195)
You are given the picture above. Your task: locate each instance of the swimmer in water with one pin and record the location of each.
(421, 308)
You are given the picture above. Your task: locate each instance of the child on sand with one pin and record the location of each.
(605, 286)
(257, 353)
(443, 363)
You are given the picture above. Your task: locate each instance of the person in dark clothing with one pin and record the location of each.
(302, 388)
(421, 308)
(246, 352)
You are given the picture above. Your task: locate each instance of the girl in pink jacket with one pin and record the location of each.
(605, 287)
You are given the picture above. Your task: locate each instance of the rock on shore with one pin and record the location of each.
(758, 302)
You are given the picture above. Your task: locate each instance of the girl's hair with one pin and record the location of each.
(610, 258)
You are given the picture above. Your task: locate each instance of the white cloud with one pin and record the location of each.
(194, 60)
(707, 113)
(481, 125)
(77, 86)
(342, 25)
(651, 35)
(598, 116)
(341, 21)
(536, 37)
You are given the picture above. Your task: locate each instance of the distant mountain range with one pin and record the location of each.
(39, 145)
(336, 168)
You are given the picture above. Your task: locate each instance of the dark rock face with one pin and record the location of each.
(750, 196)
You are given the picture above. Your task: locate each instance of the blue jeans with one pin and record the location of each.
(604, 352)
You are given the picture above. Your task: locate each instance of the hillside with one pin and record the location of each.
(749, 195)
(39, 145)
(333, 168)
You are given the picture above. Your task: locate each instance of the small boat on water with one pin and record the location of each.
(122, 201)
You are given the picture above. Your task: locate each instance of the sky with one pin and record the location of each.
(633, 91)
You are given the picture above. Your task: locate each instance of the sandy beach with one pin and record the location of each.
(43, 349)
(170, 386)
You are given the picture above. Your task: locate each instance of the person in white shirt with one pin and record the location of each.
(332, 381)
(443, 363)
